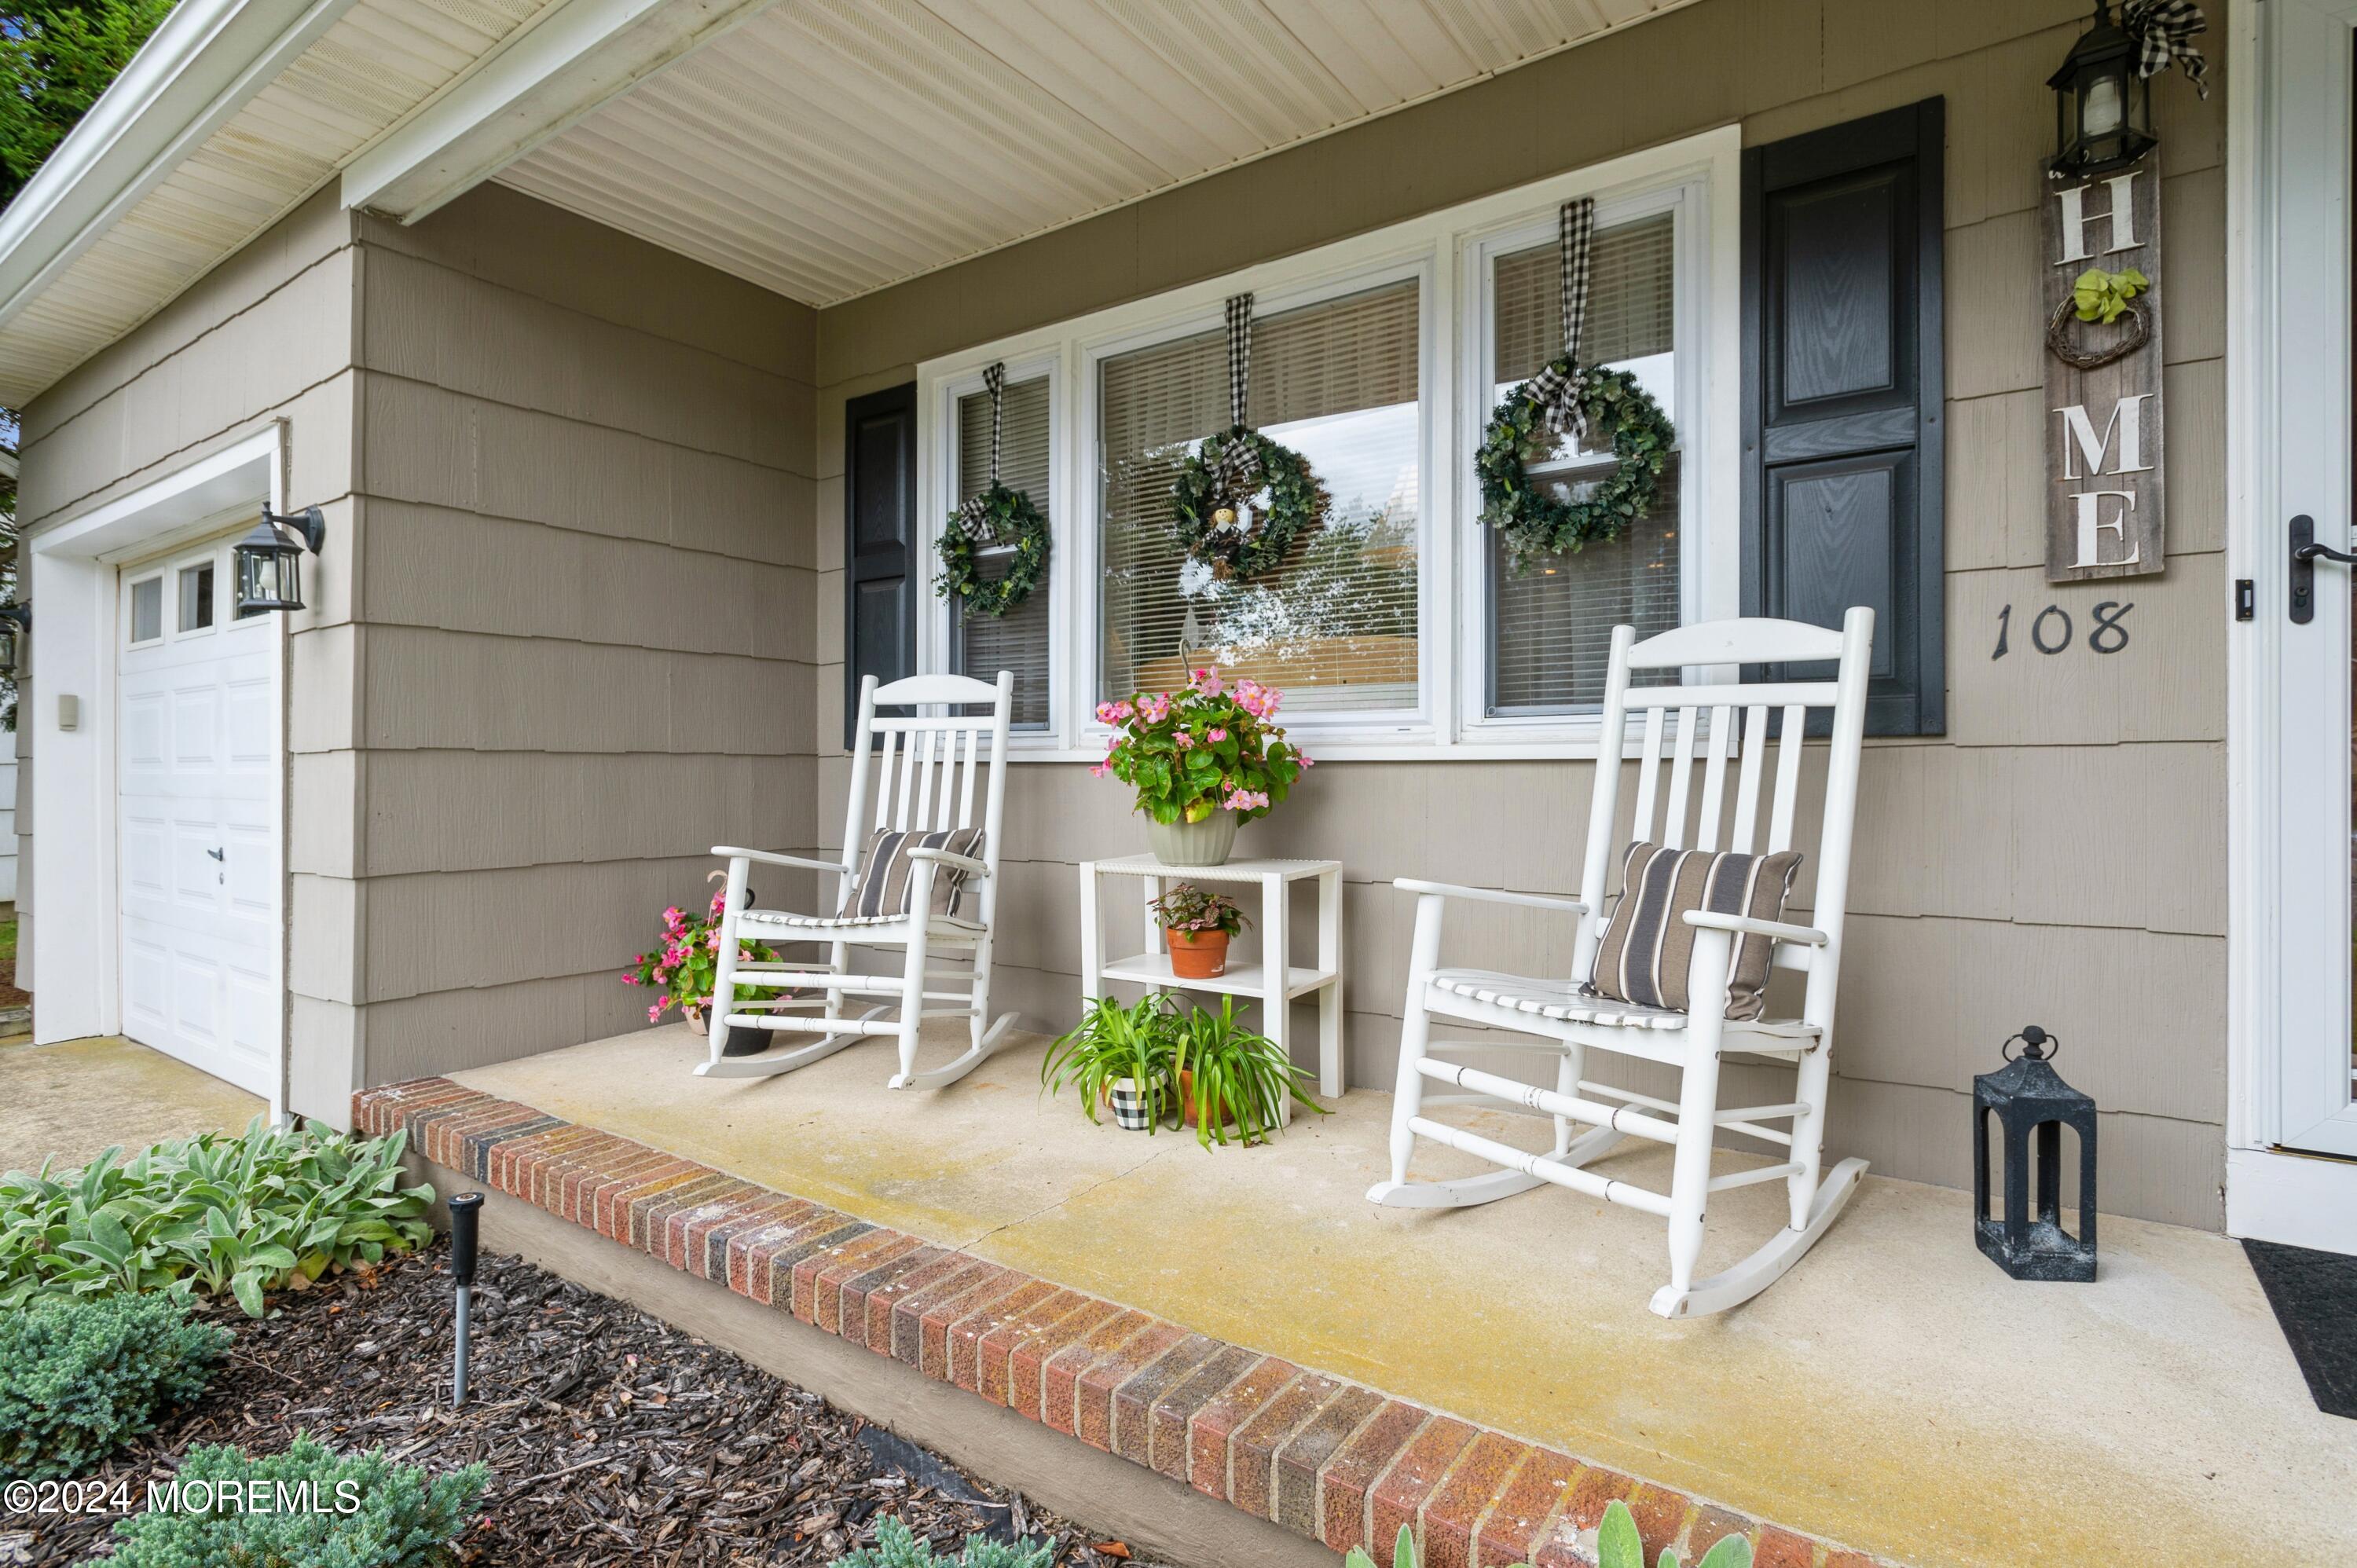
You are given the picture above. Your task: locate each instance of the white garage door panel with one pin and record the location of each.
(199, 854)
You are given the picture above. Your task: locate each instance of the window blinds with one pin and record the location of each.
(1551, 630)
(1017, 641)
(1335, 624)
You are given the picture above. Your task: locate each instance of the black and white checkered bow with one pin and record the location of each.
(1556, 391)
(1239, 312)
(2163, 31)
(975, 509)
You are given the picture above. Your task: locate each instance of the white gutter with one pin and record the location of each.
(203, 64)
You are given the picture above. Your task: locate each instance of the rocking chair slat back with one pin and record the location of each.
(1710, 718)
(925, 765)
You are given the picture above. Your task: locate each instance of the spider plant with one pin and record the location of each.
(1239, 1076)
(1113, 1042)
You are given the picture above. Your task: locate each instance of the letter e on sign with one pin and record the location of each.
(2104, 435)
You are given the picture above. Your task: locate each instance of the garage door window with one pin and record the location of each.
(196, 597)
(148, 611)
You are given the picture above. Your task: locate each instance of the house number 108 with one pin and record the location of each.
(2051, 632)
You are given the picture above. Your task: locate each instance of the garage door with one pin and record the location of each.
(199, 773)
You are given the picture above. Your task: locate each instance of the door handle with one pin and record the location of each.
(217, 854)
(2305, 553)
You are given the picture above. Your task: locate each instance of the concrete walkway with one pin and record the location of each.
(71, 1101)
(1896, 1392)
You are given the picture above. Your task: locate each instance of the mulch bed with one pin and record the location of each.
(612, 1437)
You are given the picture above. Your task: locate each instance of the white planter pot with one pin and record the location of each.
(1207, 842)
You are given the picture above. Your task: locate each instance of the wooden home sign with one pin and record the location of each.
(2104, 438)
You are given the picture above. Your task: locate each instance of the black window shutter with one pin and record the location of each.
(879, 553)
(1842, 380)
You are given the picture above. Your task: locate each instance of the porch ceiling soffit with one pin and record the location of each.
(834, 147)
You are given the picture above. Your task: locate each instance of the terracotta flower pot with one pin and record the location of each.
(1198, 955)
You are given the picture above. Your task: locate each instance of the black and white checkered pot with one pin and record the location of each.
(1130, 1109)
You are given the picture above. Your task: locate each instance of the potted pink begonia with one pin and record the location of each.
(1202, 759)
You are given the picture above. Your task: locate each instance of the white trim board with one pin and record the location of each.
(72, 574)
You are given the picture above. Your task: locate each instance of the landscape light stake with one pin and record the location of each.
(466, 1217)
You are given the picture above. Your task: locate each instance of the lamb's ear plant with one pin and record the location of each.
(1618, 1545)
(1403, 1554)
(1112, 1042)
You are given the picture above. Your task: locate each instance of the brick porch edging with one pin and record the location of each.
(1335, 1461)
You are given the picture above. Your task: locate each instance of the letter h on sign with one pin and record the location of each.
(2104, 435)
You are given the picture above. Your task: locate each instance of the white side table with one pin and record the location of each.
(1271, 981)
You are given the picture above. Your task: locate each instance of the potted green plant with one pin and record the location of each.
(1233, 1076)
(685, 963)
(1202, 759)
(1198, 923)
(1122, 1057)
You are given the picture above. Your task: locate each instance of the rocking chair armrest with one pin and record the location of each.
(730, 851)
(964, 862)
(1490, 895)
(1744, 925)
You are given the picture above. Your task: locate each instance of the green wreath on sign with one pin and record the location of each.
(997, 517)
(1532, 517)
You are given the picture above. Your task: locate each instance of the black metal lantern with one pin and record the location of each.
(16, 630)
(2103, 105)
(270, 562)
(2032, 1105)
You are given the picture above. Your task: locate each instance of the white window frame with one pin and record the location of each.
(132, 582)
(938, 396)
(1447, 252)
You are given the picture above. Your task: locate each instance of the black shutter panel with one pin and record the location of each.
(880, 553)
(1842, 380)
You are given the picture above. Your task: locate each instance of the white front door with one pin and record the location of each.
(2310, 62)
(198, 769)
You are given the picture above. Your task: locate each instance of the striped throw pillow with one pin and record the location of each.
(884, 890)
(1648, 944)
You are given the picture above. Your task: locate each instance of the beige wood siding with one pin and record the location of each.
(585, 604)
(2058, 856)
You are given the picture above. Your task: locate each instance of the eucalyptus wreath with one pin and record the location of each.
(1532, 517)
(1228, 470)
(998, 516)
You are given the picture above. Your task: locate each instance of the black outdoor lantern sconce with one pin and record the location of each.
(2031, 1102)
(2103, 106)
(15, 627)
(270, 562)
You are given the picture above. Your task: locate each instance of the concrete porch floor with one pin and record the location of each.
(69, 1101)
(1895, 1393)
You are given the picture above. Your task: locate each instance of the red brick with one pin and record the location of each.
(1512, 1526)
(910, 1308)
(1092, 1396)
(387, 1108)
(968, 1333)
(1059, 1379)
(651, 1221)
(1711, 1526)
(576, 1197)
(682, 1242)
(859, 1289)
(1660, 1518)
(1399, 1497)
(1027, 1363)
(1306, 1452)
(997, 1351)
(1352, 1473)
(933, 1321)
(1208, 1433)
(1253, 1450)
(595, 1207)
(533, 1167)
(1166, 1442)
(827, 1230)
(1841, 1558)
(752, 1254)
(1780, 1548)
(612, 1211)
(1132, 1401)
(454, 1132)
(827, 1271)
(882, 1298)
(732, 1239)
(509, 1161)
(1455, 1510)
(705, 1241)
(1595, 1488)
(435, 1127)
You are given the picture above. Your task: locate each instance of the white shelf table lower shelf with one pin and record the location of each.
(1152, 968)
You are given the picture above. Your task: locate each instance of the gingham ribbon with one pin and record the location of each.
(2163, 32)
(1239, 312)
(971, 510)
(1557, 392)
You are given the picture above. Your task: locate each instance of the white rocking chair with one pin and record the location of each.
(1569, 1023)
(925, 784)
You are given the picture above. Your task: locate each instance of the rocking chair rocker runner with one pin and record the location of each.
(1570, 1019)
(925, 887)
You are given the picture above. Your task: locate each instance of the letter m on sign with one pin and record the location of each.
(2105, 435)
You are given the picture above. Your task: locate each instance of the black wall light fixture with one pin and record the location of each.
(2103, 105)
(270, 558)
